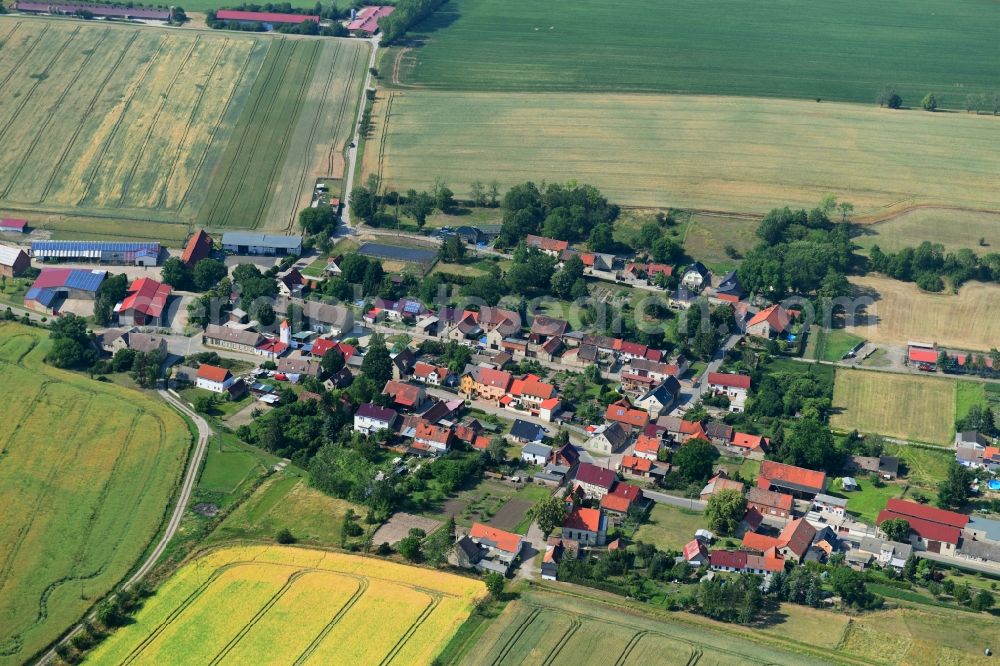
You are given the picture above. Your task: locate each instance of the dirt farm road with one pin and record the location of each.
(190, 477)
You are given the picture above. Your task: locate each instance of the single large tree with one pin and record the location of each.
(725, 510)
(549, 513)
(695, 459)
(896, 529)
(377, 364)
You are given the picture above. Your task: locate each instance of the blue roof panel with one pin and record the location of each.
(43, 296)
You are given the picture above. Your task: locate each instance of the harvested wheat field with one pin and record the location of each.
(285, 605)
(86, 472)
(969, 319)
(713, 153)
(910, 407)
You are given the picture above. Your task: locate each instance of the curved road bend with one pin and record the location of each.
(190, 476)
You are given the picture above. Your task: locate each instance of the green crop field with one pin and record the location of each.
(86, 471)
(298, 115)
(954, 229)
(730, 154)
(786, 48)
(910, 407)
(111, 130)
(577, 627)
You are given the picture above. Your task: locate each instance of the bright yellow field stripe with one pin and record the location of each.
(192, 618)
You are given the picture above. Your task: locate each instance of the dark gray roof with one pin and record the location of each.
(524, 430)
(263, 240)
(615, 434)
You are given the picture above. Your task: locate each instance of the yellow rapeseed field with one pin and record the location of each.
(279, 604)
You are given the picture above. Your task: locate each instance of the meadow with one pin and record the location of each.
(274, 604)
(87, 473)
(134, 130)
(842, 51)
(669, 527)
(954, 229)
(902, 312)
(733, 154)
(911, 407)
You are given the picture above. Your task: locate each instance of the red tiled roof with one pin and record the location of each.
(505, 541)
(432, 433)
(543, 243)
(147, 297)
(263, 17)
(694, 548)
(776, 317)
(761, 542)
(752, 442)
(628, 491)
(425, 370)
(925, 512)
(636, 464)
(647, 444)
(198, 247)
(406, 395)
(481, 442)
(494, 378)
(622, 412)
(726, 379)
(616, 503)
(212, 373)
(584, 519)
(367, 19)
(797, 536)
(531, 386)
(633, 348)
(551, 403)
(9, 223)
(735, 559)
(925, 529)
(789, 474)
(769, 498)
(918, 355)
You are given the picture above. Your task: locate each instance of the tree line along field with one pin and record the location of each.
(786, 48)
(910, 407)
(267, 604)
(901, 312)
(711, 153)
(113, 126)
(86, 470)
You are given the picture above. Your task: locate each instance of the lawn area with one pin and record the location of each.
(866, 502)
(465, 216)
(222, 407)
(902, 312)
(821, 373)
(920, 409)
(925, 468)
(967, 394)
(712, 239)
(745, 155)
(728, 47)
(12, 291)
(669, 527)
(87, 470)
(286, 501)
(830, 344)
(230, 468)
(954, 229)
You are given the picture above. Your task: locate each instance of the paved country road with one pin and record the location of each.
(204, 433)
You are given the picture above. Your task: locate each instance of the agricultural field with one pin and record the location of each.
(720, 241)
(744, 155)
(553, 627)
(842, 51)
(954, 229)
(920, 409)
(132, 127)
(902, 312)
(274, 604)
(87, 471)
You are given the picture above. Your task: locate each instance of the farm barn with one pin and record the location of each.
(54, 284)
(198, 247)
(145, 304)
(10, 225)
(365, 22)
(266, 19)
(138, 254)
(13, 261)
(108, 11)
(241, 242)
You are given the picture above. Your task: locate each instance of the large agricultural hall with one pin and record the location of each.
(103, 252)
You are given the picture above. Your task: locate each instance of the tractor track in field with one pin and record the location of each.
(516, 636)
(86, 114)
(575, 624)
(51, 116)
(218, 123)
(334, 621)
(413, 628)
(629, 647)
(41, 76)
(164, 98)
(344, 112)
(25, 58)
(161, 198)
(102, 152)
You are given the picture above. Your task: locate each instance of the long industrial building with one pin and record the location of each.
(137, 254)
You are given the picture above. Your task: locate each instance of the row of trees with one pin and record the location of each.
(407, 14)
(928, 263)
